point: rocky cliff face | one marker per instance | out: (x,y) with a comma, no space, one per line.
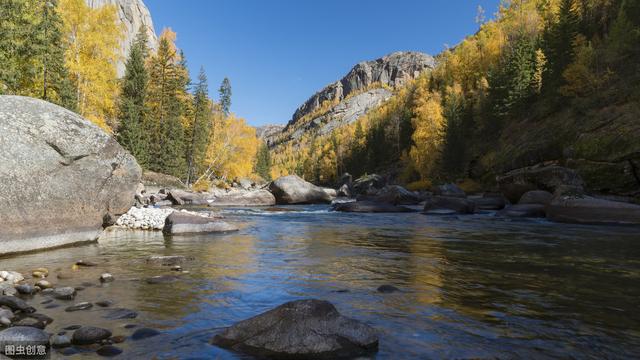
(133,14)
(267,133)
(393,70)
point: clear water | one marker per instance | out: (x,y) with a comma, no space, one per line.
(472,286)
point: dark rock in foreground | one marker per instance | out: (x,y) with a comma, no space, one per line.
(303,329)
(182,223)
(369,207)
(294,190)
(23,335)
(61,176)
(16,304)
(588,210)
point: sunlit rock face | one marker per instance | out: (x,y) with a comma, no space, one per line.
(393,70)
(132,14)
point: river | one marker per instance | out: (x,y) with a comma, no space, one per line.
(470,286)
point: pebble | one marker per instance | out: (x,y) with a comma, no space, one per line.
(79,306)
(144,333)
(89,335)
(26,289)
(5,313)
(104,303)
(117,314)
(86,263)
(387,289)
(176,268)
(10,291)
(144,218)
(64,293)
(73,327)
(52,306)
(109,350)
(47,301)
(118,339)
(64,276)
(31,322)
(130,326)
(161,279)
(5,321)
(106,277)
(11,276)
(16,304)
(60,341)
(44,284)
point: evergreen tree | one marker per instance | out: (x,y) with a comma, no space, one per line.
(132,109)
(198,130)
(263,162)
(18,21)
(559,40)
(166,100)
(225,96)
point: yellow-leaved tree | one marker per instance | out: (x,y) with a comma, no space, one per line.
(232,148)
(429,126)
(92,39)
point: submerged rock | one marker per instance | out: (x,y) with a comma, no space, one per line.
(167,260)
(61,176)
(303,329)
(369,207)
(79,306)
(144,333)
(292,189)
(64,293)
(182,223)
(118,314)
(89,335)
(387,289)
(16,304)
(108,351)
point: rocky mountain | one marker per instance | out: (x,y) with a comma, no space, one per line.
(392,70)
(268,132)
(133,14)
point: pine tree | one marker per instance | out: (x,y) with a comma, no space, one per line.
(225,96)
(559,39)
(18,21)
(263,162)
(132,109)
(167,108)
(198,131)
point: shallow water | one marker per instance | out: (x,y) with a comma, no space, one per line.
(471,287)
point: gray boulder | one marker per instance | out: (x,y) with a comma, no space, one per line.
(292,189)
(244,198)
(449,190)
(23,335)
(459,205)
(589,210)
(490,202)
(369,207)
(540,197)
(183,197)
(87,335)
(344,191)
(397,195)
(182,223)
(540,177)
(369,184)
(61,176)
(303,329)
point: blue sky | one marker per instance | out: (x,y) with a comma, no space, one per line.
(277,53)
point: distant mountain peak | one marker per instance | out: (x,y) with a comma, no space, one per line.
(393,70)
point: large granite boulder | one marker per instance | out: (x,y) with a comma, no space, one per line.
(540,177)
(61,176)
(184,223)
(589,210)
(244,198)
(303,329)
(292,189)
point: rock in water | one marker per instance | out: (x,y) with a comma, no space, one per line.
(182,223)
(517,182)
(16,304)
(459,205)
(292,189)
(588,210)
(303,329)
(369,207)
(88,335)
(244,198)
(61,175)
